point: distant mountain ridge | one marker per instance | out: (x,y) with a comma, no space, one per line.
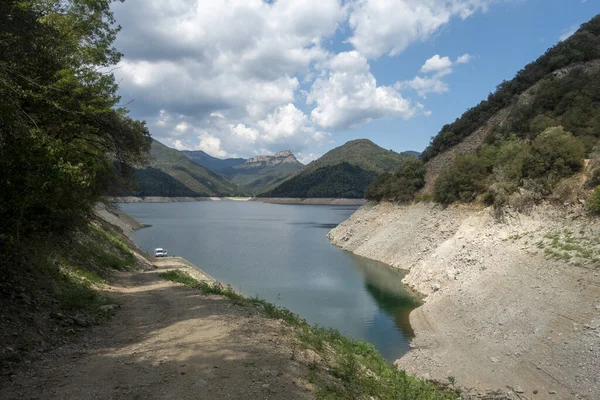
(171,174)
(345,171)
(210,162)
(260,173)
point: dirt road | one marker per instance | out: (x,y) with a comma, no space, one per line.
(168,341)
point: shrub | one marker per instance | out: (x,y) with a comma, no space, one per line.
(555,154)
(462,181)
(402,185)
(593,202)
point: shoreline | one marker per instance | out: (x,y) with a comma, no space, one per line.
(314,201)
(500,311)
(269,200)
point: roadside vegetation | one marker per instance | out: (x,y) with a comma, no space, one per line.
(346,368)
(65,139)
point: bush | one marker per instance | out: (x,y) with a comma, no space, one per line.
(593,202)
(555,154)
(462,181)
(402,185)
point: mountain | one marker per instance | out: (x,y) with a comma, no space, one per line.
(210,162)
(536,138)
(345,171)
(171,174)
(412,153)
(260,173)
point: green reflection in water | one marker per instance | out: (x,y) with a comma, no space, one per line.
(384,284)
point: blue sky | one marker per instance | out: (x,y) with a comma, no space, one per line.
(503,40)
(241,78)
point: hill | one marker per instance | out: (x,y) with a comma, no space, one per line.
(527,142)
(260,173)
(210,162)
(345,171)
(171,174)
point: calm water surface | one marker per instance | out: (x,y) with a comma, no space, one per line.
(280,253)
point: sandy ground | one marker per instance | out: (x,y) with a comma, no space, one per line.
(500,312)
(168,342)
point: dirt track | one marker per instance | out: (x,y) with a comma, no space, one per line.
(168,342)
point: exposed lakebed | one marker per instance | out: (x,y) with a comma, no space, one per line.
(280,253)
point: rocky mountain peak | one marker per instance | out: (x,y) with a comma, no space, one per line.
(281,157)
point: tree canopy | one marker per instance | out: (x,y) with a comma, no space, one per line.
(62,128)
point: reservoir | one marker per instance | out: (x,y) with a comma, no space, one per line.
(280,253)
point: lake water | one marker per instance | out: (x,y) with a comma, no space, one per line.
(281,254)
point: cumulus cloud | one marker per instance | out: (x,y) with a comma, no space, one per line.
(237,77)
(464,59)
(347,95)
(239,59)
(287,127)
(423,86)
(437,67)
(385,26)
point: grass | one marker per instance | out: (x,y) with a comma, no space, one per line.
(84,265)
(349,369)
(565,245)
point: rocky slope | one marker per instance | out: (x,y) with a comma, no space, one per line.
(510,305)
(260,173)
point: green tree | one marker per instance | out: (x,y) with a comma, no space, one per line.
(555,153)
(61,129)
(400,186)
(462,181)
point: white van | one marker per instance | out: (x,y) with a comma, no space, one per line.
(158,252)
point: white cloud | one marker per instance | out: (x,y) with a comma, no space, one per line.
(390,26)
(437,64)
(423,86)
(287,127)
(306,158)
(237,60)
(236,77)
(437,67)
(464,59)
(347,95)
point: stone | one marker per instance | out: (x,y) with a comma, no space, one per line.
(494,359)
(551,391)
(519,389)
(200,383)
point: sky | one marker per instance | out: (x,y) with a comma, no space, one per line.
(239,78)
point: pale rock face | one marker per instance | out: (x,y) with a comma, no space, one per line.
(281,157)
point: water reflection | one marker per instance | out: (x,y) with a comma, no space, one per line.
(385,287)
(281,254)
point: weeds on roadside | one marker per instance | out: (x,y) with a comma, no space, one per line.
(349,369)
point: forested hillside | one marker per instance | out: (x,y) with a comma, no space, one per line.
(345,171)
(169,173)
(581,47)
(210,162)
(546,123)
